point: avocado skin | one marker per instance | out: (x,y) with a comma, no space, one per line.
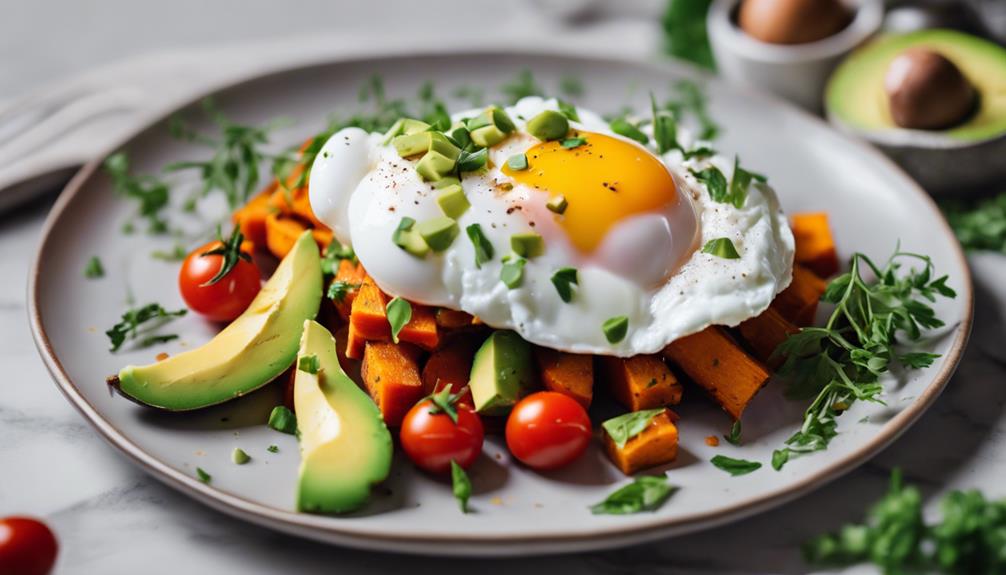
(250,352)
(345,446)
(956,160)
(501,372)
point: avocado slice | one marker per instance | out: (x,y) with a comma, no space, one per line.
(249,353)
(345,446)
(960,156)
(501,372)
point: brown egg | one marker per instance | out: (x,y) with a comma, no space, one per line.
(927,91)
(792,21)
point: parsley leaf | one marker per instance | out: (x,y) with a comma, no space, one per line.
(842,362)
(231,254)
(483,247)
(624,427)
(741,182)
(339,289)
(399,313)
(665,128)
(203,476)
(735,467)
(564,279)
(734,437)
(979,225)
(131,326)
(685,32)
(335,253)
(715,182)
(150,193)
(645,493)
(94,270)
(460,485)
(623,127)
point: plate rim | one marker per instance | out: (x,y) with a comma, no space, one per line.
(343,532)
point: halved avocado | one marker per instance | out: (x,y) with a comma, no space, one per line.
(249,353)
(345,446)
(965,155)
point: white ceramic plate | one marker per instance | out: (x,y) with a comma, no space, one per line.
(872,205)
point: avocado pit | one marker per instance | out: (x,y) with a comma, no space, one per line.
(792,21)
(927,91)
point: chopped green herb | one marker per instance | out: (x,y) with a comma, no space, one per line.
(573,143)
(570,86)
(557,204)
(721,248)
(564,279)
(624,127)
(734,437)
(483,247)
(715,182)
(522,86)
(399,314)
(685,32)
(230,252)
(460,485)
(129,327)
(472,161)
(334,253)
(309,364)
(409,239)
(176,254)
(779,458)
(239,457)
(842,362)
(568,110)
(616,328)
(624,427)
(203,476)
(272,449)
(692,100)
(512,273)
(735,467)
(283,420)
(665,128)
(150,193)
(741,182)
(94,269)
(517,162)
(339,289)
(644,493)
(979,225)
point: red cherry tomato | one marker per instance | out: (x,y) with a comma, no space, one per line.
(224,300)
(547,430)
(433,440)
(27,547)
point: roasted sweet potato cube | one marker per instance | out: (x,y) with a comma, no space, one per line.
(567,373)
(369,317)
(798,302)
(251,219)
(815,246)
(763,334)
(350,365)
(390,373)
(422,328)
(450,366)
(714,361)
(352,275)
(453,319)
(281,233)
(355,343)
(655,445)
(641,382)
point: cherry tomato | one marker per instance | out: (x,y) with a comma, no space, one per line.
(432,440)
(27,547)
(226,299)
(547,430)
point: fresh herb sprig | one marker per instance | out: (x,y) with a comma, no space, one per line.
(842,362)
(644,493)
(969,539)
(685,32)
(980,225)
(150,193)
(138,323)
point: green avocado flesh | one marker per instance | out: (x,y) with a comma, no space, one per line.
(345,447)
(855,95)
(501,371)
(249,353)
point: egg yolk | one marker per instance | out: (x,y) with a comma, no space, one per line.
(604,181)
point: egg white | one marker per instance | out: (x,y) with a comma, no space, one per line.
(362,188)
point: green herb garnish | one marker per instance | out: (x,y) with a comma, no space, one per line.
(512,272)
(94,270)
(979,225)
(735,467)
(460,485)
(334,253)
(570,86)
(203,476)
(568,110)
(150,193)
(573,143)
(483,247)
(522,86)
(624,427)
(685,32)
(230,251)
(309,364)
(624,127)
(399,314)
(339,289)
(272,449)
(721,248)
(283,420)
(734,437)
(616,328)
(842,362)
(665,128)
(645,493)
(564,279)
(741,182)
(129,327)
(715,182)
(239,457)
(472,161)
(177,253)
(692,100)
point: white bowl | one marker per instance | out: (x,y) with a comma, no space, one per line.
(796,72)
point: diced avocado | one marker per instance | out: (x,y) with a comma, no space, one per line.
(502,120)
(405,126)
(446,182)
(407,238)
(434,166)
(557,204)
(439,233)
(345,447)
(488,136)
(452,201)
(548,125)
(527,244)
(501,372)
(411,144)
(490,127)
(249,353)
(439,143)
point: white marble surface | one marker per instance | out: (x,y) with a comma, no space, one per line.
(111,518)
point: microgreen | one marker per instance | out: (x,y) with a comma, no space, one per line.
(623,127)
(626,426)
(132,326)
(272,449)
(149,192)
(735,467)
(665,128)
(517,162)
(461,486)
(94,270)
(979,225)
(644,493)
(335,252)
(741,182)
(339,289)
(230,252)
(842,362)
(399,313)
(564,279)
